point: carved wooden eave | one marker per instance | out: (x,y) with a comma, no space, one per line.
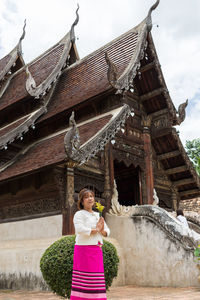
(186,159)
(176,116)
(182,174)
(163,90)
(19,127)
(68,42)
(94,134)
(82,153)
(124,81)
(9,62)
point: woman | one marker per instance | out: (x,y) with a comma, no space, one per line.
(88,280)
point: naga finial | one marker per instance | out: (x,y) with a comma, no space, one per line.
(149,21)
(181,113)
(23,34)
(72,138)
(72,35)
(112,71)
(22,37)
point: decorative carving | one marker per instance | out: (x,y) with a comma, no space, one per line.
(107,188)
(162,122)
(30,209)
(186,158)
(149,21)
(69,186)
(5,73)
(155,198)
(72,35)
(45,86)
(83,179)
(146,121)
(112,71)
(167,223)
(19,49)
(72,138)
(88,150)
(125,80)
(170,105)
(118,209)
(22,128)
(181,113)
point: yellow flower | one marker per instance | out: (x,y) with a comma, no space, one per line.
(99,207)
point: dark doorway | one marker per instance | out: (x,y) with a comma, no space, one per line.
(127,181)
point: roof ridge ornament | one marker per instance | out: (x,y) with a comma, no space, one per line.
(72,35)
(72,138)
(112,71)
(19,47)
(180,117)
(149,20)
(82,153)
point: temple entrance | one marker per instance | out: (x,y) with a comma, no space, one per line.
(127,181)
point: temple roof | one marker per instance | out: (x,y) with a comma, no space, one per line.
(12,62)
(57,82)
(94,133)
(37,79)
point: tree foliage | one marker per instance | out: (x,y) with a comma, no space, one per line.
(193,151)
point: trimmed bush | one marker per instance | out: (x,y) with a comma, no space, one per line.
(56,265)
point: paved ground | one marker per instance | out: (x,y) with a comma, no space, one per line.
(122,293)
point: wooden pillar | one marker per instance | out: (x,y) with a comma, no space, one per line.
(107,186)
(175,202)
(146,121)
(69,205)
(140,185)
(111,167)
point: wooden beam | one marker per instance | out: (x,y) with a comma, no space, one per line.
(189,192)
(147,67)
(159,112)
(168,155)
(156,133)
(152,94)
(176,170)
(183,181)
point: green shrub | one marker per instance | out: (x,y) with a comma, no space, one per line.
(56,265)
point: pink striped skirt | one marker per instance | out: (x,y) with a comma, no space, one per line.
(88,280)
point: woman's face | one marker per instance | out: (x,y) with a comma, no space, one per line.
(88,201)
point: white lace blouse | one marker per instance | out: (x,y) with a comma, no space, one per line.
(84,222)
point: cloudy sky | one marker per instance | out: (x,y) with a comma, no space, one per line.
(176,34)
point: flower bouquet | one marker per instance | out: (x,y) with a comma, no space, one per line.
(99,207)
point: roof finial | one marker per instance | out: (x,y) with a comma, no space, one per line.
(23,34)
(149,21)
(22,37)
(72,138)
(112,71)
(180,117)
(72,35)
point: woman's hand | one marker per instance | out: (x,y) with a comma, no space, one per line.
(100,224)
(99,227)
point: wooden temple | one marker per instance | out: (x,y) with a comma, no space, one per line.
(68,123)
